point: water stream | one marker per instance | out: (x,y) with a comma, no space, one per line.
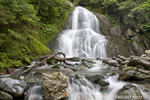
(84,40)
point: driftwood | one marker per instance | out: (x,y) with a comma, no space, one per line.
(45,58)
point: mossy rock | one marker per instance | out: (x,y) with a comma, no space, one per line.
(36,47)
(15,64)
(27,60)
(2,65)
(51,62)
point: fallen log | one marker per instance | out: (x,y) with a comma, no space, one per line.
(45,59)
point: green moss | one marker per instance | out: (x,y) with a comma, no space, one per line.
(24,38)
(2,66)
(17,64)
(36,47)
(27,60)
(51,62)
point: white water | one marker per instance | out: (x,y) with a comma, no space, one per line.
(84,39)
(34,93)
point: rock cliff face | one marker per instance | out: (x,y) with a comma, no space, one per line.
(121,41)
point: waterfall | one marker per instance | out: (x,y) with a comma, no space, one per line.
(84,38)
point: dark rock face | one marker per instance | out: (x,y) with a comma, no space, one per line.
(129,92)
(121,41)
(14,86)
(115,31)
(5,96)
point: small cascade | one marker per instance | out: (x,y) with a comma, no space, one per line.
(84,90)
(84,39)
(34,93)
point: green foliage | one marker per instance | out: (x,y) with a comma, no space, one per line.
(27,60)
(2,66)
(36,47)
(26,26)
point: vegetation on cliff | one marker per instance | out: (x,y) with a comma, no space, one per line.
(135,13)
(25,28)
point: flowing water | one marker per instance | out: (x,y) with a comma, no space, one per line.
(34,93)
(84,40)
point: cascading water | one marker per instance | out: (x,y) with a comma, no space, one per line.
(84,39)
(34,93)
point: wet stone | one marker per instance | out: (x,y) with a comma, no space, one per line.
(14,86)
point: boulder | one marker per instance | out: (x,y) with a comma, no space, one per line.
(12,85)
(129,92)
(122,58)
(139,61)
(5,96)
(147,52)
(95,78)
(55,86)
(87,64)
(133,74)
(111,62)
(103,83)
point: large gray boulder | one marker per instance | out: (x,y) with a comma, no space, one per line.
(12,85)
(139,61)
(5,96)
(130,73)
(55,86)
(129,92)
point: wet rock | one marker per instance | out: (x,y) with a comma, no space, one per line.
(122,58)
(55,86)
(139,61)
(133,74)
(5,96)
(129,92)
(111,62)
(78,68)
(128,75)
(87,64)
(95,78)
(147,52)
(12,85)
(103,83)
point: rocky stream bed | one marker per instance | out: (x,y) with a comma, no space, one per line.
(117,78)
